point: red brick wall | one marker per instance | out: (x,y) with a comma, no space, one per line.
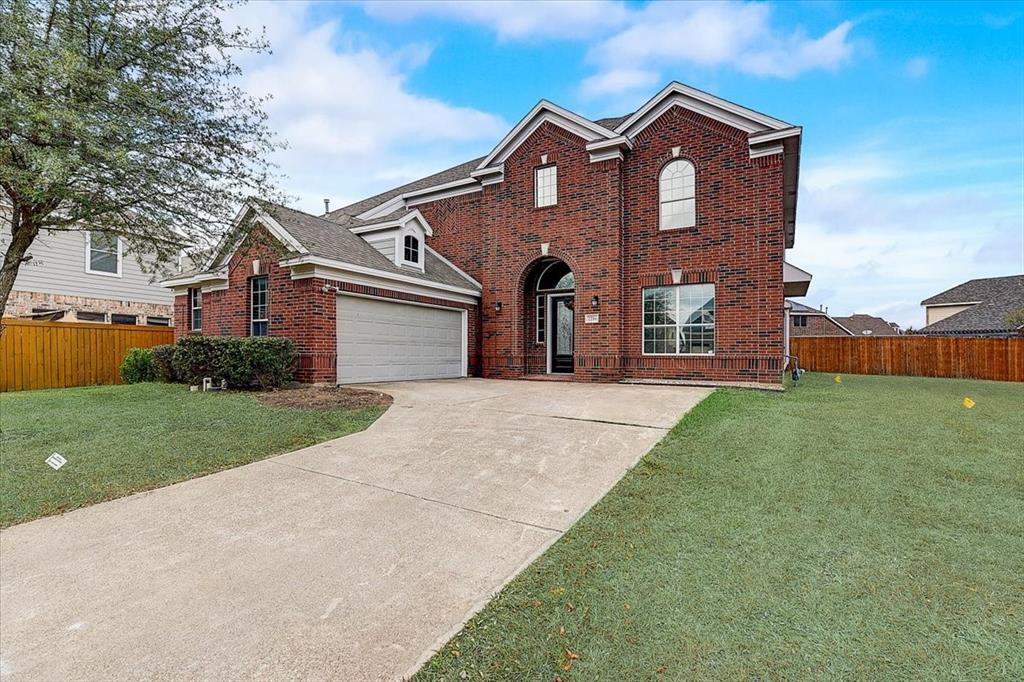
(605,227)
(299,309)
(817,325)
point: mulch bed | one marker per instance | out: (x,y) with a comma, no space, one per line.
(324,398)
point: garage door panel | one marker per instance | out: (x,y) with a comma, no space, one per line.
(387,341)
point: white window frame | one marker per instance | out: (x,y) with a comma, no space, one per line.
(195,295)
(88,257)
(540,334)
(553,199)
(419,250)
(266,305)
(677,354)
(662,201)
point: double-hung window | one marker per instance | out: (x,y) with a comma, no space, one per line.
(259,309)
(195,307)
(102,254)
(679,320)
(546,186)
(411,249)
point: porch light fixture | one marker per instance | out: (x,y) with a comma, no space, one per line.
(497,307)
(595,301)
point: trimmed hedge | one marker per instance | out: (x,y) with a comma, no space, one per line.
(163,363)
(137,366)
(244,362)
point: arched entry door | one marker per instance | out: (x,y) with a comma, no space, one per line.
(556,297)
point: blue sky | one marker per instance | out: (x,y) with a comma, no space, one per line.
(912,178)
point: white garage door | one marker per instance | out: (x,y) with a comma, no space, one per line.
(385,341)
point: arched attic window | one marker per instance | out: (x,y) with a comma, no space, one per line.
(677,193)
(411,251)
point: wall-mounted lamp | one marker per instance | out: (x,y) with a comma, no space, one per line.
(595,301)
(497,307)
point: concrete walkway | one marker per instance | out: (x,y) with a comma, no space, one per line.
(349,560)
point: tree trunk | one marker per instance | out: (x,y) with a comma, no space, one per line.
(24,228)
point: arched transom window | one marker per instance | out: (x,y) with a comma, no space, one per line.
(677,189)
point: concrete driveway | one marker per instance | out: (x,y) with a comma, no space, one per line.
(349,560)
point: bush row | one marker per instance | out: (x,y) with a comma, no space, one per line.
(244,362)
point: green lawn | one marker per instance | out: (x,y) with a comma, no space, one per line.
(866,530)
(122,439)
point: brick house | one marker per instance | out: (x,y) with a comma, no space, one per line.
(644,247)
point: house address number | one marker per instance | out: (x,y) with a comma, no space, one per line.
(592,318)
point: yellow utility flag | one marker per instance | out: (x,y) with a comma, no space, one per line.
(968,403)
(839,379)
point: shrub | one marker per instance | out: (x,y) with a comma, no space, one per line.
(269,360)
(137,366)
(163,363)
(261,361)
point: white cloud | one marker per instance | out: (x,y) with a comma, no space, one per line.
(733,35)
(875,246)
(512,20)
(347,111)
(618,81)
(917,67)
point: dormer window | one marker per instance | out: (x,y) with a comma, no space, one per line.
(411,253)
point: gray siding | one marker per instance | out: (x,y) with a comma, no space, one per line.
(58,267)
(386,247)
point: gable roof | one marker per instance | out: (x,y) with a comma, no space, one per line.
(866,325)
(801,309)
(327,239)
(606,138)
(987,317)
(977,290)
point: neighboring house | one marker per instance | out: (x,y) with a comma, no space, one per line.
(643,247)
(807,321)
(978,307)
(860,324)
(80,276)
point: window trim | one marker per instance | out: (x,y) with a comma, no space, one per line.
(662,202)
(88,257)
(419,250)
(798,319)
(540,331)
(195,294)
(536,185)
(266,305)
(714,326)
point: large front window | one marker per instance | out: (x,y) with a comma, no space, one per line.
(260,305)
(679,320)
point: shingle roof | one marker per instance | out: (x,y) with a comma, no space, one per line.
(986,317)
(866,325)
(612,122)
(328,239)
(976,290)
(458,172)
(801,309)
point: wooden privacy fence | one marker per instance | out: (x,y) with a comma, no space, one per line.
(61,354)
(919,356)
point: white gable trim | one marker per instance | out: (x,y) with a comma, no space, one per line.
(397,222)
(268,222)
(381,274)
(677,94)
(544,112)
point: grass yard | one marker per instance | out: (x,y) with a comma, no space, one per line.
(866,530)
(122,439)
